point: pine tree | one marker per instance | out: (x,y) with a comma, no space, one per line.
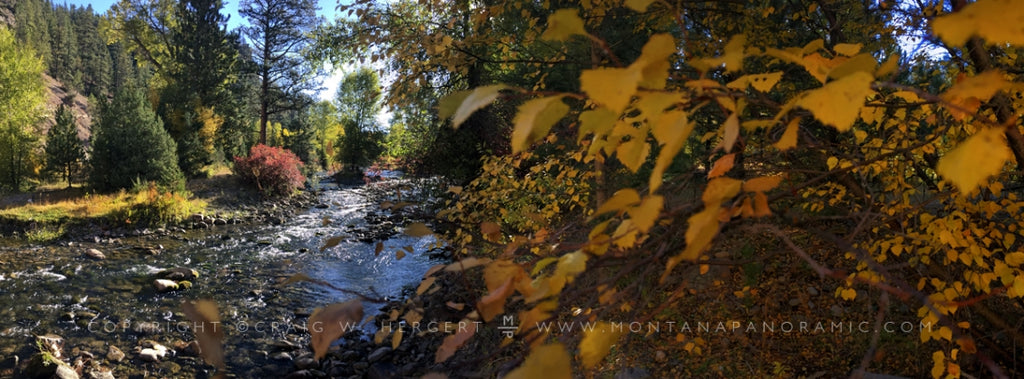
(64,151)
(132,145)
(96,68)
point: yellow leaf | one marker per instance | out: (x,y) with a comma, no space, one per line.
(569,265)
(466,264)
(645,214)
(597,342)
(981,156)
(671,130)
(996,21)
(206,325)
(939,368)
(611,87)
(563,24)
(653,62)
(455,189)
(838,103)
(788,140)
(702,228)
(761,205)
(832,162)
(732,56)
(760,82)
(762,184)
(331,322)
(633,153)
(396,339)
(847,49)
(619,201)
(597,121)
(1015,258)
(425,285)
(417,229)
(546,361)
(722,165)
(848,294)
(480,97)
(861,63)
(889,66)
(719,189)
(494,303)
(638,5)
(449,104)
(535,119)
(969,92)
(732,132)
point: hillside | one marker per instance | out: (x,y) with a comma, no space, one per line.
(56,92)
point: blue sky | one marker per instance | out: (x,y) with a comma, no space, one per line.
(327,10)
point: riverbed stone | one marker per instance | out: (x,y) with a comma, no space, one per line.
(376,355)
(95,254)
(53,343)
(114,354)
(165,285)
(178,273)
(42,365)
(151,355)
(100,373)
(65,372)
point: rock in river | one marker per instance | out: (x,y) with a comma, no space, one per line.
(114,354)
(164,285)
(95,254)
(178,273)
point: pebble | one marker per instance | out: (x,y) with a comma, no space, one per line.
(65,372)
(164,285)
(114,354)
(660,356)
(813,291)
(282,356)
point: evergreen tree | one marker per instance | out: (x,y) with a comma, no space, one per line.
(33,25)
(279,32)
(132,145)
(96,65)
(64,151)
(66,63)
(21,109)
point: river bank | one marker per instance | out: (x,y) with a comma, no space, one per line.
(99,307)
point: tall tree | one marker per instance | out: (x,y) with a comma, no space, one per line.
(66,63)
(64,151)
(204,64)
(359,102)
(21,109)
(96,69)
(279,32)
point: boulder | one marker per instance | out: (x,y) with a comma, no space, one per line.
(164,285)
(178,273)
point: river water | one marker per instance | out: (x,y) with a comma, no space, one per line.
(93,304)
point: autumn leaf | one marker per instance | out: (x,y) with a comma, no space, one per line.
(611,87)
(638,5)
(480,97)
(417,229)
(732,132)
(493,303)
(569,265)
(646,214)
(209,333)
(534,120)
(722,166)
(597,121)
(847,49)
(633,153)
(760,82)
(547,361)
(969,92)
(425,285)
(671,130)
(331,242)
(838,103)
(466,264)
(974,160)
(653,62)
(997,21)
(329,323)
(762,184)
(563,24)
(619,201)
(597,342)
(788,140)
(452,343)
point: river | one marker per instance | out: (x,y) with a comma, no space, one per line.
(94,304)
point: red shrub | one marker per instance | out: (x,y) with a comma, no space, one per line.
(275,171)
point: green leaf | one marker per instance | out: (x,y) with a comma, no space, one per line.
(535,119)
